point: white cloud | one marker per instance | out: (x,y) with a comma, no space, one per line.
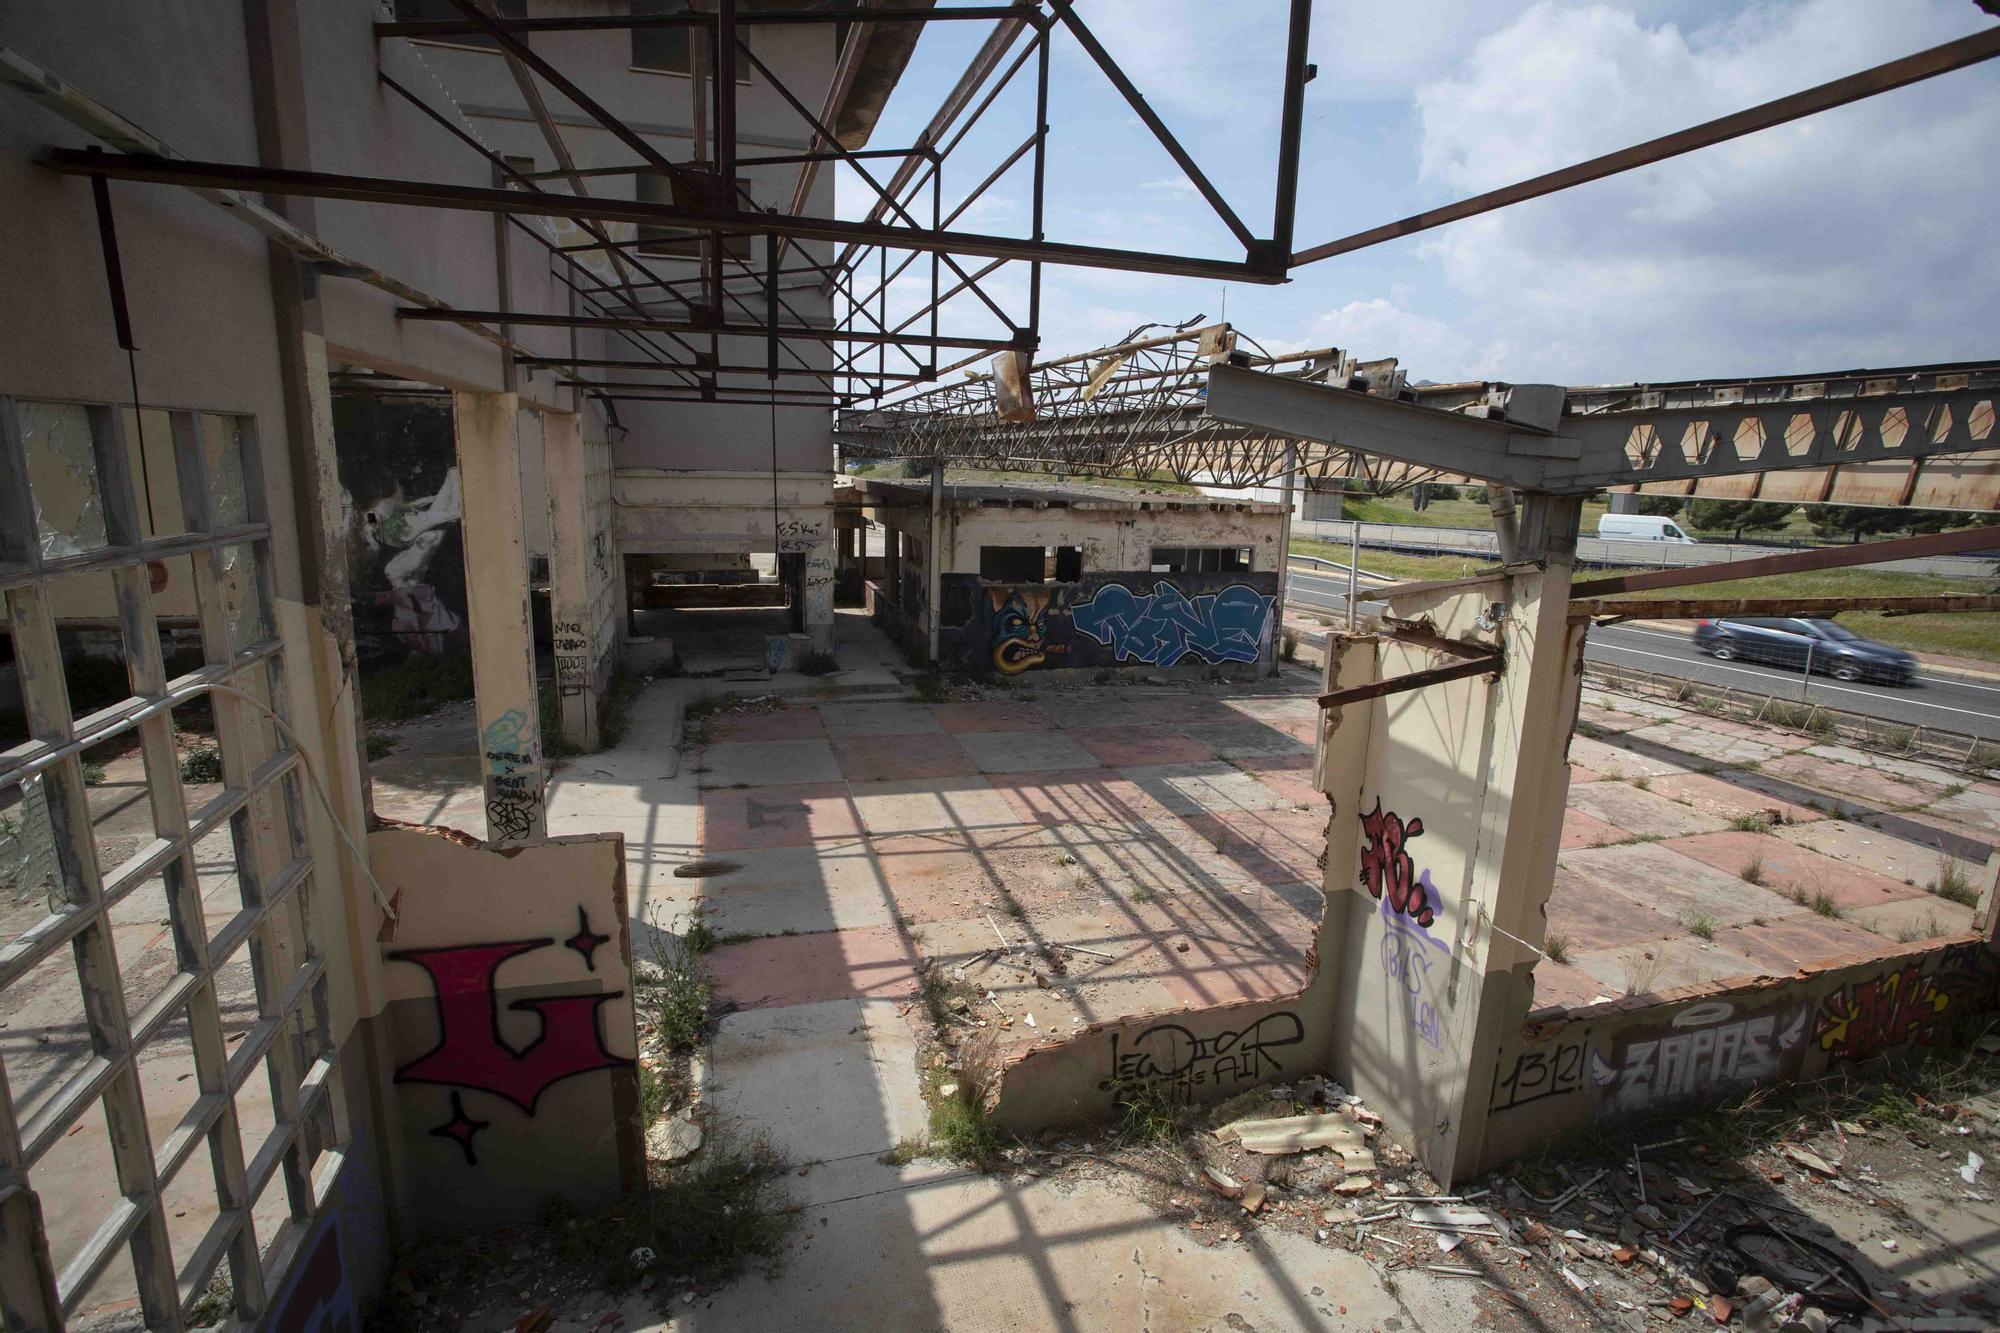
(1428,348)
(1855,237)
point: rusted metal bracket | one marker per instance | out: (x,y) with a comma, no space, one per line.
(1487,663)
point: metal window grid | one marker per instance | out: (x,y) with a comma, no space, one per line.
(260,804)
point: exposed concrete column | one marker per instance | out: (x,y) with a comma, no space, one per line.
(572,600)
(934,564)
(487,430)
(892,563)
(1526,795)
(1284,559)
(817,579)
(1446,829)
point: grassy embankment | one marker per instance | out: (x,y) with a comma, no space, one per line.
(1974,635)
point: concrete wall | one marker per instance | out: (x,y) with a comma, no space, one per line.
(1138,620)
(511,1026)
(1114,537)
(1563,1072)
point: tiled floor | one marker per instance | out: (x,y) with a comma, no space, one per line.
(1100,817)
(1697,849)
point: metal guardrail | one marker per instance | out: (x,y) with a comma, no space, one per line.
(1478,543)
(1968,754)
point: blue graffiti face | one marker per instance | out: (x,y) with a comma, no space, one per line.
(1164,626)
(1020,628)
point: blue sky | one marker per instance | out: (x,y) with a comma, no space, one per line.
(1860,237)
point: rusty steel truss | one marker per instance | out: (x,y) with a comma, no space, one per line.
(673,321)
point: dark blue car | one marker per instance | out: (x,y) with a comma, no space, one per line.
(1818,645)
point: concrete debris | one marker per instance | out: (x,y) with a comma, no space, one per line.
(673,1138)
(1252,1198)
(1969,1173)
(1299,1133)
(1355,1185)
(1221,1183)
(1810,1160)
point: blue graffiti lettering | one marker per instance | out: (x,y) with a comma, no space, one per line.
(1166,625)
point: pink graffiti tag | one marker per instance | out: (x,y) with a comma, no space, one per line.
(470,1053)
(1387,868)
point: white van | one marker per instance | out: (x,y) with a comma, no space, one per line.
(1641,528)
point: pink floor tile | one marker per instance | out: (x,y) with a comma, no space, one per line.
(1716,795)
(1589,916)
(1791,870)
(1792,942)
(965,717)
(796,723)
(1587,830)
(1560,987)
(795,816)
(1850,781)
(1273,846)
(874,962)
(1098,798)
(1130,746)
(880,758)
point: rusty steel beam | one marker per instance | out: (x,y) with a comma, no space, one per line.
(810,334)
(430,194)
(1488,665)
(1695,608)
(1798,562)
(1880,79)
(434,28)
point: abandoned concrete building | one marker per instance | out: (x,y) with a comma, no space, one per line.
(351,338)
(1004,577)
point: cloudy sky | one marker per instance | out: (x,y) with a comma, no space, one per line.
(1860,237)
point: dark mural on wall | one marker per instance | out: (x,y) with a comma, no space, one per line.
(399,485)
(1107,620)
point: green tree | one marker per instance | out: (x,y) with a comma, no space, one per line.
(1738,515)
(1854,522)
(1661,506)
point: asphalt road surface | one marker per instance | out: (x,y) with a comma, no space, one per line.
(1940,699)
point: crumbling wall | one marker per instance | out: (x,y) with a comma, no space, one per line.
(1563,1072)
(510,1023)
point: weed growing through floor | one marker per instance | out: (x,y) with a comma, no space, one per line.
(1952,884)
(1823,904)
(929,688)
(1147,1115)
(381,747)
(815,662)
(93,774)
(698,720)
(1642,782)
(672,994)
(959,1129)
(1557,946)
(1143,893)
(1700,925)
(1751,824)
(1752,871)
(1642,967)
(724,1211)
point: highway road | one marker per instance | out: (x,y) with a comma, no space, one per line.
(1940,699)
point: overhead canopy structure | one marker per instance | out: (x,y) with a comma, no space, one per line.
(674,319)
(1197,405)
